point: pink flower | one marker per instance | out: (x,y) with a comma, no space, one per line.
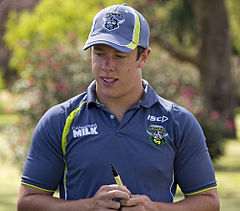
(215,115)
(151,1)
(71,36)
(32,81)
(229,124)
(8,110)
(45,53)
(187,92)
(59,86)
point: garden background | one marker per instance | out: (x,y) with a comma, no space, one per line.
(194,62)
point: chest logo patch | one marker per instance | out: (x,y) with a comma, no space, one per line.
(90,129)
(157,134)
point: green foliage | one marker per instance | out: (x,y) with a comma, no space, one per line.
(173,18)
(215,129)
(175,82)
(236,77)
(52,22)
(179,21)
(233,7)
(2,83)
(51,76)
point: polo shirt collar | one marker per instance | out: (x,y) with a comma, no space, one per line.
(149,96)
(91,93)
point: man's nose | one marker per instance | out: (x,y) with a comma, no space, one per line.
(109,63)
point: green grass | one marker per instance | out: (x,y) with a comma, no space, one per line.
(7,104)
(9,184)
(227,170)
(8,119)
(228,177)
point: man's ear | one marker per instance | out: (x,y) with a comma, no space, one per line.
(144,57)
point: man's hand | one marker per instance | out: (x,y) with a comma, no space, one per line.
(104,199)
(137,202)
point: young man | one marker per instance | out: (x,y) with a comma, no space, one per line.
(120,120)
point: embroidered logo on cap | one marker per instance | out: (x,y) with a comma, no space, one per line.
(157,134)
(112,20)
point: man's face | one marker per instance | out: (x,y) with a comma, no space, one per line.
(117,74)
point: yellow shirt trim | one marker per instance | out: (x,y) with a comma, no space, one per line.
(33,186)
(190,194)
(68,123)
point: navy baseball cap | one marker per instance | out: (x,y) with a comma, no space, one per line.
(120,27)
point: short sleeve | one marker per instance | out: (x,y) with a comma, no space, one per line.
(194,170)
(44,166)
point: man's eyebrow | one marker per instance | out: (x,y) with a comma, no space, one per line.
(97,48)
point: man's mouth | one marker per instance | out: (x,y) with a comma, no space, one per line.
(108,81)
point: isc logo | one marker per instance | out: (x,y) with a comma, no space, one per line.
(157,119)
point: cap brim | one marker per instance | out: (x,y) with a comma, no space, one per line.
(116,42)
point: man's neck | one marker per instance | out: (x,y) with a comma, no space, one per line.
(118,106)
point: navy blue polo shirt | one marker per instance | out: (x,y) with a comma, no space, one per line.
(156,146)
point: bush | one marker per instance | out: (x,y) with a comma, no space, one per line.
(180,83)
(215,129)
(51,76)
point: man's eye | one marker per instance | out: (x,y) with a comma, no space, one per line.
(98,53)
(120,56)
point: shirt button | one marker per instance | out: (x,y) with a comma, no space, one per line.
(112,116)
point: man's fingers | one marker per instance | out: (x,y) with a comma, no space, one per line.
(115,191)
(115,194)
(135,200)
(106,195)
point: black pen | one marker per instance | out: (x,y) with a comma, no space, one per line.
(116,176)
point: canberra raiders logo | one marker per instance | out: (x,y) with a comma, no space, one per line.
(112,20)
(157,134)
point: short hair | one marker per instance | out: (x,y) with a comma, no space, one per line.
(140,51)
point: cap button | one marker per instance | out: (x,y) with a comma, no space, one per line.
(124,4)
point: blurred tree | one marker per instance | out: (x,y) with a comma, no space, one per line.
(234,17)
(214,57)
(198,33)
(8,73)
(45,46)
(51,23)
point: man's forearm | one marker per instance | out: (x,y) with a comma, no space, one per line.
(49,203)
(34,199)
(207,201)
(194,203)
